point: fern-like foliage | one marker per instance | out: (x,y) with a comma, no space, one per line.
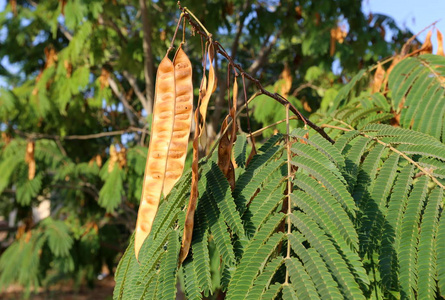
(366,213)
(26,254)
(418,94)
(364,223)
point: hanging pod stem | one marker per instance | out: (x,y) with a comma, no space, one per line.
(200,29)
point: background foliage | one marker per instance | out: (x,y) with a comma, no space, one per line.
(80,93)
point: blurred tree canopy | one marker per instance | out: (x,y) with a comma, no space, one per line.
(77,83)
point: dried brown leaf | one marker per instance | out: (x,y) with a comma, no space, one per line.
(210,88)
(63,3)
(51,57)
(440,43)
(103,78)
(227,140)
(287,77)
(6,138)
(122,157)
(306,106)
(427,46)
(298,11)
(379,76)
(14,7)
(190,213)
(338,34)
(68,67)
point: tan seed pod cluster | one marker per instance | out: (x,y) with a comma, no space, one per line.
(168,141)
(113,158)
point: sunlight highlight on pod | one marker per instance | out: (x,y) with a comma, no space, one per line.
(168,141)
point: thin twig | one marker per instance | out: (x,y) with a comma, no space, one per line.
(259,131)
(147,31)
(306,85)
(132,81)
(62,150)
(128,109)
(404,50)
(36,135)
(172,44)
(424,170)
(344,123)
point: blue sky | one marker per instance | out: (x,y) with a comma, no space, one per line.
(412,14)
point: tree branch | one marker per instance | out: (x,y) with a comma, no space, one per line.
(36,135)
(65,32)
(113,26)
(148,57)
(129,111)
(264,53)
(132,81)
(306,85)
(240,25)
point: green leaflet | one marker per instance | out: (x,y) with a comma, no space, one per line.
(426,262)
(248,183)
(167,274)
(367,174)
(197,270)
(415,82)
(253,258)
(332,183)
(345,92)
(300,280)
(221,193)
(407,251)
(336,264)
(313,264)
(330,206)
(392,228)
(375,207)
(440,250)
(262,206)
(322,145)
(110,196)
(314,212)
(123,269)
(262,282)
(240,149)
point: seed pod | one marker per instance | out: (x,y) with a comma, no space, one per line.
(161,132)
(177,151)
